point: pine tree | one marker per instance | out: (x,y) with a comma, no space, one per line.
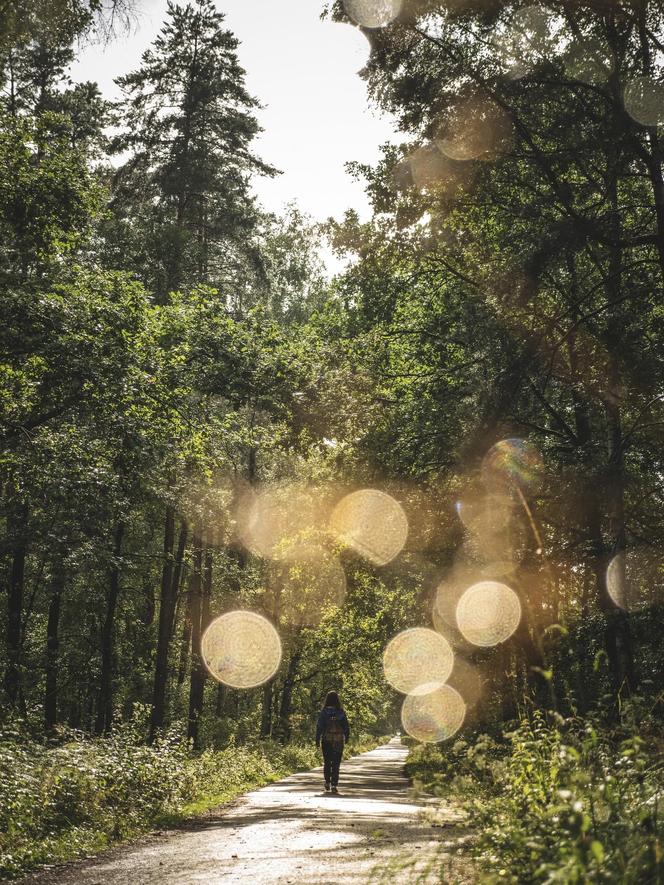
(188,124)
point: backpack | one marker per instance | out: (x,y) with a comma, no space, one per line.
(333,733)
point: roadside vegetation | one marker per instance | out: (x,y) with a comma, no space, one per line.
(74,795)
(553,799)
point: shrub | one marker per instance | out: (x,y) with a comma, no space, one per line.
(564,802)
(67,800)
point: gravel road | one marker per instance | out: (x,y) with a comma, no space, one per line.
(374,831)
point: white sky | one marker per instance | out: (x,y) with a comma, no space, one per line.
(316,115)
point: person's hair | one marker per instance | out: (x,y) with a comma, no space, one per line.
(332,700)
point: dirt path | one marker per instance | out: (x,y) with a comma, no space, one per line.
(291,831)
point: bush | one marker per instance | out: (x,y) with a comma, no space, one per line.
(63,801)
(565,802)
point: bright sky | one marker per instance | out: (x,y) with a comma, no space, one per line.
(316,116)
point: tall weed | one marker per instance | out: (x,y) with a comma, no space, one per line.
(563,802)
(80,795)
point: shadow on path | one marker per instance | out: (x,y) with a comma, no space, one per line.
(292,832)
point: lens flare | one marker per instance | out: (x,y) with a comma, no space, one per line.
(488,613)
(512,463)
(241,649)
(432,170)
(372,13)
(588,62)
(417,661)
(476,128)
(448,593)
(304,587)
(636,577)
(272,520)
(466,679)
(372,523)
(644,101)
(616,581)
(495,548)
(433,717)
(495,510)
(354,45)
(526,42)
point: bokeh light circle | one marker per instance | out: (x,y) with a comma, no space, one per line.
(431,170)
(644,101)
(241,649)
(417,661)
(354,44)
(495,545)
(372,523)
(616,581)
(512,463)
(372,13)
(476,128)
(488,613)
(306,585)
(270,521)
(635,578)
(449,591)
(433,717)
(526,42)
(497,509)
(589,62)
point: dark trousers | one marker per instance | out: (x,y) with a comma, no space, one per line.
(332,754)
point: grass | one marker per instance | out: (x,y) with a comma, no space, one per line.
(569,801)
(78,796)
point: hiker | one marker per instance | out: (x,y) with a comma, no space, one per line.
(332,731)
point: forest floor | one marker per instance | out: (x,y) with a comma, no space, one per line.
(374,831)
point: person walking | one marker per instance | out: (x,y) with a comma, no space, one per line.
(332,731)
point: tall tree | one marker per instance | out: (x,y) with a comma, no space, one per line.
(188,124)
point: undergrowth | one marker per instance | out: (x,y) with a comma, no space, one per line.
(76,796)
(558,801)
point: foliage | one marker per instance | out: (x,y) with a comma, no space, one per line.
(564,801)
(170,352)
(74,796)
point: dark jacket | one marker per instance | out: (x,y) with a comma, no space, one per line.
(325,715)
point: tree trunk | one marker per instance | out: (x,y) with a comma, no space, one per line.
(618,638)
(105,704)
(197,679)
(654,160)
(179,574)
(185,642)
(220,706)
(164,630)
(13,680)
(618,641)
(53,647)
(266,714)
(284,726)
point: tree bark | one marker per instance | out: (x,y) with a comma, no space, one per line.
(220,706)
(618,637)
(197,679)
(266,713)
(185,642)
(105,703)
(618,641)
(284,726)
(178,573)
(13,677)
(164,630)
(53,647)
(654,157)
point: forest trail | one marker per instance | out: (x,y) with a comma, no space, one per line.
(374,831)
